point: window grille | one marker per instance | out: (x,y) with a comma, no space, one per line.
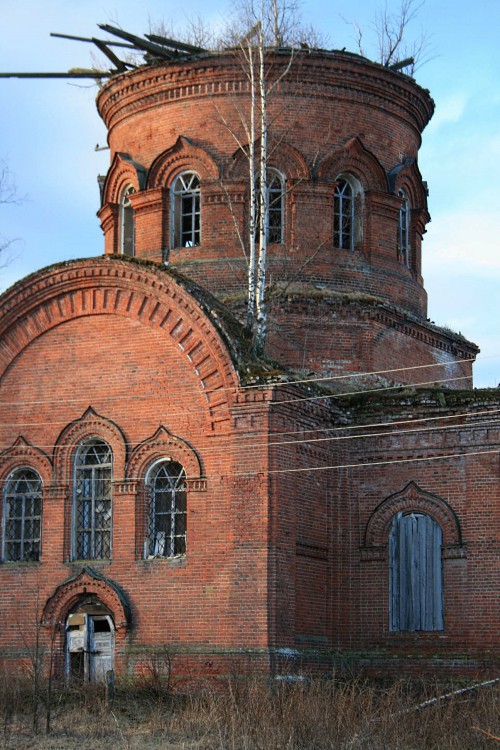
(93,501)
(343,215)
(167,511)
(415,574)
(22,517)
(186,210)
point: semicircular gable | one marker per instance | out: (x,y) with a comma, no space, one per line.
(122,173)
(281,155)
(87,582)
(406,176)
(354,158)
(88,426)
(161,445)
(183,155)
(412,499)
(22,454)
(148,294)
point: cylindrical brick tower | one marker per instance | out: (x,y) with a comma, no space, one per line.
(348,207)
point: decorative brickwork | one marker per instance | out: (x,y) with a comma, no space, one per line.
(241,509)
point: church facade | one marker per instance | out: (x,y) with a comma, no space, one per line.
(333,504)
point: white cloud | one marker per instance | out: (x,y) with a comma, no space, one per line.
(449,110)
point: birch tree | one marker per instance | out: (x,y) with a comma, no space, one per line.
(271,24)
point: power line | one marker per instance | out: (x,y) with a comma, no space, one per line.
(242,447)
(285,383)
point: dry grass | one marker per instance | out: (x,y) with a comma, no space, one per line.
(250,715)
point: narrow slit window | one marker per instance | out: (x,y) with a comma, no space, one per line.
(403,239)
(127,223)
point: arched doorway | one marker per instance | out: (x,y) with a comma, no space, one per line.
(90,641)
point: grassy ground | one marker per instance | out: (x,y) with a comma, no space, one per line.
(250,715)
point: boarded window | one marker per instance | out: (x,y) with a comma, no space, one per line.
(415,574)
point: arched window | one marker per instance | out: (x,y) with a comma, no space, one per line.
(415,574)
(275,199)
(93,503)
(166,531)
(22,517)
(186,210)
(127,223)
(276,204)
(346,214)
(403,239)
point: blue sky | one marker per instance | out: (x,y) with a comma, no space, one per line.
(49,130)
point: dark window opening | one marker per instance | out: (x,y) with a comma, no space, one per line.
(167,511)
(22,528)
(93,501)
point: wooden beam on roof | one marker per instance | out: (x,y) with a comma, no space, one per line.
(174,44)
(109,42)
(138,42)
(119,64)
(95,74)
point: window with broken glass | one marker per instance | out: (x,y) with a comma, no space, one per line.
(22,517)
(127,223)
(166,533)
(93,504)
(403,238)
(186,210)
(415,574)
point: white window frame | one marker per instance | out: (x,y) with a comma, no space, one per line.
(403,239)
(347,210)
(127,223)
(185,211)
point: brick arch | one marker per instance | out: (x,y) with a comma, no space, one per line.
(122,172)
(183,155)
(406,176)
(87,582)
(412,499)
(282,156)
(161,445)
(90,425)
(22,454)
(145,292)
(354,158)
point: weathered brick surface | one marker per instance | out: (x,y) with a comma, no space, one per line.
(330,114)
(291,489)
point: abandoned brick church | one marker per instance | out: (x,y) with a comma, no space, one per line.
(332,505)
